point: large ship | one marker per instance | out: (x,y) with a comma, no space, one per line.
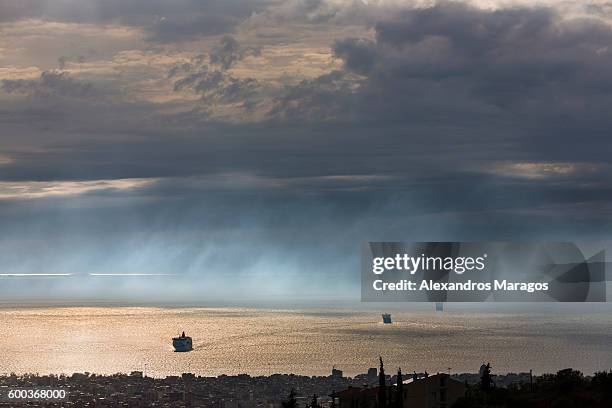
(182,343)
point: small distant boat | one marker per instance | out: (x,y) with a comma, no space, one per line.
(439,307)
(386,318)
(182,343)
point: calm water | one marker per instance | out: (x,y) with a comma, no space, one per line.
(109,340)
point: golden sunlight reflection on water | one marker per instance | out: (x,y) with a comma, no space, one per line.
(122,339)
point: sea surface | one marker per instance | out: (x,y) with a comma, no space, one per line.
(107,340)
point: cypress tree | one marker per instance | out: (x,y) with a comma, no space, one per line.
(382,386)
(399,390)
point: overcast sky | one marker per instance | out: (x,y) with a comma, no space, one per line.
(248,147)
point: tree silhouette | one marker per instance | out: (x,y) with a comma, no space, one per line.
(567,388)
(399,390)
(291,402)
(382,386)
(485,378)
(333,401)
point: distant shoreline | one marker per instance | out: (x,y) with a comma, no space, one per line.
(354,306)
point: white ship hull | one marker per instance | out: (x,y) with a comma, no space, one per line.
(182,344)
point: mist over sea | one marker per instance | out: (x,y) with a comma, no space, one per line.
(263,341)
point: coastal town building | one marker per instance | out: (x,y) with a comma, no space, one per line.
(426,391)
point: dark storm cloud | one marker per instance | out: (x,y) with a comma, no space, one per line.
(524,70)
(441,93)
(229,51)
(214,85)
(499,57)
(163,20)
(50,85)
(452,122)
(323,98)
(208,76)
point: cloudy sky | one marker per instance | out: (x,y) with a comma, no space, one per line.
(246,148)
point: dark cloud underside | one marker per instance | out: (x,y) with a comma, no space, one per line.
(442,122)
